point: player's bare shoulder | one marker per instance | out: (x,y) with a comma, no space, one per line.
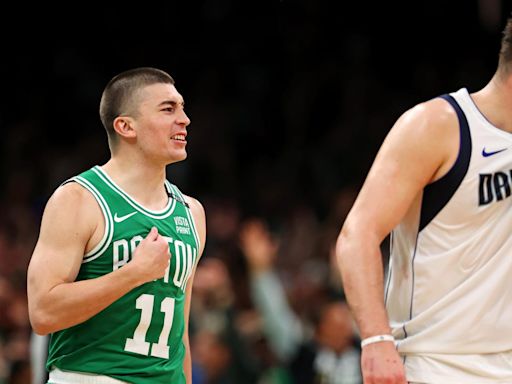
(440,113)
(75,199)
(195,205)
(434,118)
(433,126)
(73,207)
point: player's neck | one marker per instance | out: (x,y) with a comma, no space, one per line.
(495,102)
(142,181)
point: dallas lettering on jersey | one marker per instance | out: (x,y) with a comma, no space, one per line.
(493,186)
(183,254)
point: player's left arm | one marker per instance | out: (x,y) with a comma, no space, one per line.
(198,213)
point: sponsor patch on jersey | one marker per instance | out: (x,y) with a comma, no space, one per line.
(182,225)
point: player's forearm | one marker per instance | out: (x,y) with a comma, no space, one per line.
(360,262)
(69,304)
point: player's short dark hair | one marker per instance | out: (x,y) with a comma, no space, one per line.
(121,91)
(505,59)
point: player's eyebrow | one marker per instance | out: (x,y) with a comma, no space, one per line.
(172,103)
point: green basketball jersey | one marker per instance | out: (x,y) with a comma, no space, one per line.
(138,338)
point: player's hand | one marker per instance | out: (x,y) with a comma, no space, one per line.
(381,364)
(151,257)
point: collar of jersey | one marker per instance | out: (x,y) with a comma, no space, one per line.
(158,214)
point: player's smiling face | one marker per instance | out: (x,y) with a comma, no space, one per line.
(162,123)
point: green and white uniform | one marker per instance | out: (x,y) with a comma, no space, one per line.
(138,338)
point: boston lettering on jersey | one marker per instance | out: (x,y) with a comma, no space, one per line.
(494,187)
(182,256)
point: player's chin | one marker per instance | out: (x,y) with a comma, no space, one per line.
(179,156)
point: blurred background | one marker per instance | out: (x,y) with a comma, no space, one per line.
(289,102)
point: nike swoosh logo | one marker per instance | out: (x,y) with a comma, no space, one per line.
(487,154)
(119,219)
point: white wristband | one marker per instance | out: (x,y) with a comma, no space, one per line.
(376,339)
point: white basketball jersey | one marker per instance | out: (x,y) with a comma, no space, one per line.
(449,285)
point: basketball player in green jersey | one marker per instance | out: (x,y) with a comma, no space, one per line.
(111,275)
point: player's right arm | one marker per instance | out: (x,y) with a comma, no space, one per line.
(55,300)
(420,148)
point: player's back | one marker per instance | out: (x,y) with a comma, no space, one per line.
(448,294)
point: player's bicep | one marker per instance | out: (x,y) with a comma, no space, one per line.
(65,230)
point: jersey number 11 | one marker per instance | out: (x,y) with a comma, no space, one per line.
(138,343)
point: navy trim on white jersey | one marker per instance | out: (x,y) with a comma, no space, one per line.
(439,193)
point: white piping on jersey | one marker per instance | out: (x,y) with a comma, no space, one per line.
(189,215)
(159,215)
(109,224)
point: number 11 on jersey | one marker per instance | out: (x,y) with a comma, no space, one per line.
(138,343)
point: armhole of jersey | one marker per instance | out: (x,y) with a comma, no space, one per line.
(172,187)
(98,250)
(439,193)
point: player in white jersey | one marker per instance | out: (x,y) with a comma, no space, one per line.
(441,183)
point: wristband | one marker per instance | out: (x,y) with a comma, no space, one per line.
(376,339)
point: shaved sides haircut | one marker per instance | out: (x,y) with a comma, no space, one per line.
(120,95)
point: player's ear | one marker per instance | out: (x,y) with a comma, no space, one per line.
(123,125)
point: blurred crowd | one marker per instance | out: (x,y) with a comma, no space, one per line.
(287,115)
(267,301)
